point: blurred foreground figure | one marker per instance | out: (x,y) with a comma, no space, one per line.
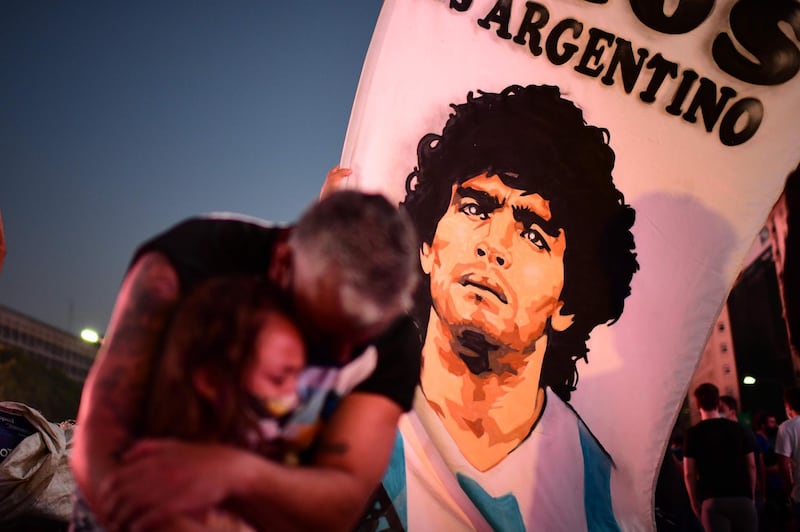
(229,374)
(229,370)
(347,271)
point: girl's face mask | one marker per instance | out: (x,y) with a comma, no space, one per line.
(275,407)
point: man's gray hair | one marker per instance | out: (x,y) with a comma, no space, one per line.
(369,242)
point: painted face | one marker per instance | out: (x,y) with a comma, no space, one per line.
(496,263)
(278,360)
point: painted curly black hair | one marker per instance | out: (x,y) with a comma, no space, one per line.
(537,141)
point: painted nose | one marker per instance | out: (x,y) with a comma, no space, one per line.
(494,245)
(493,257)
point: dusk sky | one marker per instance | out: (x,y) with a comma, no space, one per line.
(119,119)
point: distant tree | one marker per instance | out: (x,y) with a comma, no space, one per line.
(24,379)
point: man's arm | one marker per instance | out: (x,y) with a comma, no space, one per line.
(352,458)
(784,448)
(162,478)
(787,473)
(751,473)
(115,387)
(690,478)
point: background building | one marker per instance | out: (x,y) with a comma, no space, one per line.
(753,352)
(717,365)
(53,347)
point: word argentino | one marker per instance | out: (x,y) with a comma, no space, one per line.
(754,26)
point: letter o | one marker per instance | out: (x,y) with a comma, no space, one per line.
(752,109)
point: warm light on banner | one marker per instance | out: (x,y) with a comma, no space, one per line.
(545,150)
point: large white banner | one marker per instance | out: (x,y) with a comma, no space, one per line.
(586,177)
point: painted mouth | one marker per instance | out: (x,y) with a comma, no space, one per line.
(486,285)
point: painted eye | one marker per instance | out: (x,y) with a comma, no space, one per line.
(536,238)
(473,209)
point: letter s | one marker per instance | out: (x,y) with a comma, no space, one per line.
(755,26)
(687,16)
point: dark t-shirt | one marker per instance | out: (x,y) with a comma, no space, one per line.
(199,248)
(719,447)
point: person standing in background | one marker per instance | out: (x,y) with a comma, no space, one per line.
(775,509)
(729,409)
(787,447)
(719,468)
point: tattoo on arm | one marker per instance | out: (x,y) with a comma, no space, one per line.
(145,303)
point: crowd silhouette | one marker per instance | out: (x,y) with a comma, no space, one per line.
(772,498)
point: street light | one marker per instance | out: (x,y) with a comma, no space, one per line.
(90,335)
(749,380)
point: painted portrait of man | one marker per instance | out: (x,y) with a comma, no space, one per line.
(525,248)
